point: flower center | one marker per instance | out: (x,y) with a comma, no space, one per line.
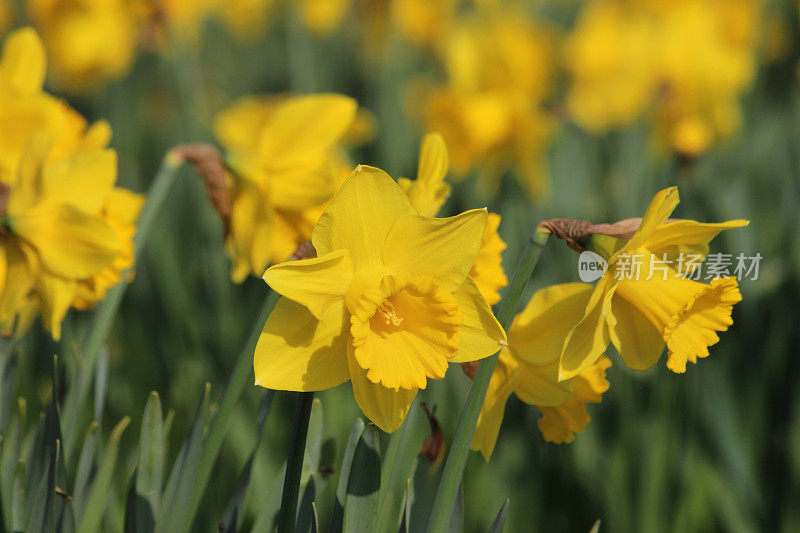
(389,314)
(404,329)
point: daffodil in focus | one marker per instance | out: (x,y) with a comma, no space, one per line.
(528,367)
(490,112)
(51,166)
(88,41)
(387,304)
(428,193)
(286,164)
(644,302)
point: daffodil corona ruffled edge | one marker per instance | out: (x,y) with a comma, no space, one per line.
(387,304)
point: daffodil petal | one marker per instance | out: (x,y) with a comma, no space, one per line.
(637,340)
(303,187)
(686,237)
(297,352)
(56,295)
(386,407)
(480,334)
(318,283)
(305,128)
(69,242)
(83,180)
(588,339)
(659,210)
(432,165)
(360,217)
(23,64)
(444,248)
(538,332)
(538,384)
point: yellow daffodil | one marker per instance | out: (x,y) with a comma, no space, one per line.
(687,60)
(387,304)
(54,232)
(641,309)
(286,165)
(499,69)
(528,367)
(429,192)
(26,110)
(73,164)
(88,41)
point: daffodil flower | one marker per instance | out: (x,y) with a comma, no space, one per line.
(89,41)
(69,160)
(640,314)
(387,304)
(528,367)
(285,168)
(55,233)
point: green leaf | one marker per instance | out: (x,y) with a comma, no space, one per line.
(174,510)
(310,479)
(41,503)
(595,527)
(237,501)
(337,514)
(500,520)
(241,377)
(265,521)
(86,464)
(363,485)
(9,462)
(92,516)
(456,524)
(19,499)
(398,465)
(150,468)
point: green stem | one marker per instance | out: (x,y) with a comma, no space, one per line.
(294,464)
(103,316)
(459,449)
(242,376)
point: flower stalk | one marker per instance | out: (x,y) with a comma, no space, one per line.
(459,449)
(294,463)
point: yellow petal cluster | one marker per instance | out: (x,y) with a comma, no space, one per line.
(67,231)
(387,304)
(641,312)
(285,165)
(88,41)
(528,367)
(500,68)
(687,60)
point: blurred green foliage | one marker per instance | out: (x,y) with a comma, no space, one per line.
(715,449)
